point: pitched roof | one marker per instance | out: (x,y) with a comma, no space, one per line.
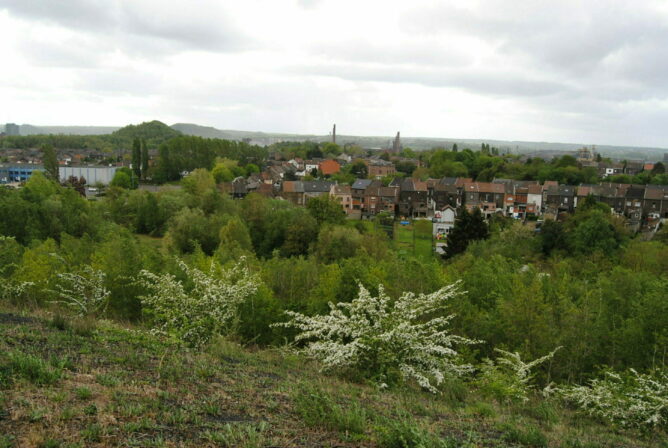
(293,186)
(340,189)
(329,167)
(317,186)
(656,192)
(535,189)
(489,187)
(361,184)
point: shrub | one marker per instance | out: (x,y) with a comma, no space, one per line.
(386,340)
(507,378)
(630,399)
(84,292)
(209,308)
(15,292)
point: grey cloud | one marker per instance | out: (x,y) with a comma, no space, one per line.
(72,53)
(406,52)
(119,82)
(485,81)
(565,35)
(205,27)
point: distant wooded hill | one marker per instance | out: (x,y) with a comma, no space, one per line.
(267,138)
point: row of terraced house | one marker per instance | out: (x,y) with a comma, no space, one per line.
(414,198)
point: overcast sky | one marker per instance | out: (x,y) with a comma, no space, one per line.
(567,71)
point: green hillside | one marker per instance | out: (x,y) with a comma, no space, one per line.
(154,132)
(85,383)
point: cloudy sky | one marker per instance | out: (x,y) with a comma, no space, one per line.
(567,71)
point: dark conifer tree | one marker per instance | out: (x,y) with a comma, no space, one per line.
(136,157)
(468,227)
(144,158)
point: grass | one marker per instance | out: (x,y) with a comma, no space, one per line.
(415,238)
(121,387)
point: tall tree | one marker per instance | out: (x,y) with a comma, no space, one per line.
(468,227)
(50,162)
(136,157)
(144,158)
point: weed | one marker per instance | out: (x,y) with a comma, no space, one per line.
(84,327)
(577,443)
(529,435)
(59,322)
(544,412)
(33,369)
(317,408)
(83,393)
(107,380)
(91,409)
(480,409)
(6,441)
(404,433)
(37,414)
(92,433)
(67,413)
(49,443)
(238,435)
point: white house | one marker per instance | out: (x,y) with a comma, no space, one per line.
(443,221)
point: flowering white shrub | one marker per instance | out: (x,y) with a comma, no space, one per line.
(631,399)
(12,290)
(386,340)
(84,292)
(206,309)
(508,377)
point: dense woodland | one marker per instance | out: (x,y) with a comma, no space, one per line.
(584,284)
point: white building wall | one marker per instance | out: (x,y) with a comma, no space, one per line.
(92,174)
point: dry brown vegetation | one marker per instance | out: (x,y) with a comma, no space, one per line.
(70,383)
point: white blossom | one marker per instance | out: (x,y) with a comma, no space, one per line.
(632,399)
(84,292)
(196,314)
(380,337)
(12,290)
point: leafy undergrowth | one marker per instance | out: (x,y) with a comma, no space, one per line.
(78,383)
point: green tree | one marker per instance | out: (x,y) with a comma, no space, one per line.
(50,162)
(325,209)
(595,233)
(144,158)
(136,157)
(359,169)
(337,242)
(552,237)
(234,236)
(121,179)
(468,227)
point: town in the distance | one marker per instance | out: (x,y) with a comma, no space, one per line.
(393,180)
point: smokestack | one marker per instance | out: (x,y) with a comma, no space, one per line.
(334,134)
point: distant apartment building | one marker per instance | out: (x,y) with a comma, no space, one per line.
(12,129)
(380,168)
(92,174)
